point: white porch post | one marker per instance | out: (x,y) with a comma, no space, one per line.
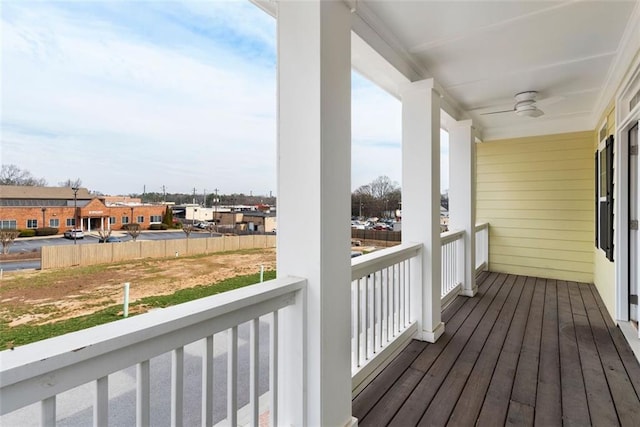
(462,197)
(421,200)
(314,162)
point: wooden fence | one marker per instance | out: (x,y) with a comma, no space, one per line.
(379,235)
(91,254)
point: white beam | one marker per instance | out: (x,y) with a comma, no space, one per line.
(421,199)
(314,161)
(462,196)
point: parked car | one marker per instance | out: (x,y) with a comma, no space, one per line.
(110,239)
(74,234)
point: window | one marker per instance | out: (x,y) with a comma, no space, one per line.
(155,218)
(9,223)
(71,222)
(112,220)
(54,222)
(604,197)
(140,219)
(32,223)
(125,220)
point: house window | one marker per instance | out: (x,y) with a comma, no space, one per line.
(604,197)
(125,220)
(140,219)
(32,223)
(71,222)
(155,218)
(9,223)
(54,222)
(112,220)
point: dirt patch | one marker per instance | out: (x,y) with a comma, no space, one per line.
(39,297)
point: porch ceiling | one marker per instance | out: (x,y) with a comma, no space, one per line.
(484,52)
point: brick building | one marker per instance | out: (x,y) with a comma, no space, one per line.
(24,207)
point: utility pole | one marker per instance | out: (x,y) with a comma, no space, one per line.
(75,212)
(194,195)
(164,194)
(215,208)
(204,198)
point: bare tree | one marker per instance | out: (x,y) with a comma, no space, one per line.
(72,183)
(7,236)
(211,228)
(188,228)
(104,234)
(134,230)
(382,187)
(13,175)
(376,198)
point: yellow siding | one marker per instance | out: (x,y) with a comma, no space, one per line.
(537,195)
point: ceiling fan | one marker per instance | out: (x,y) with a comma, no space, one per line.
(525,105)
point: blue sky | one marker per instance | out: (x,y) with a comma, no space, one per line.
(182,94)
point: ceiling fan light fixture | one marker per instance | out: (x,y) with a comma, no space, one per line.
(529,111)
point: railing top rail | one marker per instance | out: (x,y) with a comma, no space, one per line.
(228,308)
(482,225)
(451,236)
(375,261)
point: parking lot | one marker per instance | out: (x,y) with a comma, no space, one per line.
(33,245)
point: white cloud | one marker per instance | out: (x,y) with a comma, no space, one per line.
(126,94)
(87,96)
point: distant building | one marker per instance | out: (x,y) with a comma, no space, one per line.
(25,207)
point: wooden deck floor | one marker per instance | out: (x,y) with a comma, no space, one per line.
(524,350)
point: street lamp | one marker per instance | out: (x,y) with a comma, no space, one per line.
(215,209)
(75,213)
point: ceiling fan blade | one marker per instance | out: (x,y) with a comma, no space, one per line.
(550,101)
(497,112)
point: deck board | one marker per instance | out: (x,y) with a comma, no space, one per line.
(524,351)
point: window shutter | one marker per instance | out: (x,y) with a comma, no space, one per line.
(609,213)
(597,196)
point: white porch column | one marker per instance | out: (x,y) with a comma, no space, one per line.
(421,200)
(462,196)
(314,162)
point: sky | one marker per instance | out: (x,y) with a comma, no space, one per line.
(133,95)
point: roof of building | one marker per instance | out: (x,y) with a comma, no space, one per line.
(44,193)
(258,214)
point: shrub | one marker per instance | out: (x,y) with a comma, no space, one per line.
(158,227)
(30,232)
(46,231)
(130,225)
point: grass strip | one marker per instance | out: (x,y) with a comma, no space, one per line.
(25,334)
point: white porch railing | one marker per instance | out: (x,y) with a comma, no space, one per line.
(381,320)
(41,371)
(452,264)
(482,247)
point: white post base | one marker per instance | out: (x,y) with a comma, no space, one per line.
(432,336)
(469,292)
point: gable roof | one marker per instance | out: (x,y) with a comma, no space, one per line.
(42,193)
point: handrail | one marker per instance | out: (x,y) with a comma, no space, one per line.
(450,236)
(375,261)
(482,226)
(37,371)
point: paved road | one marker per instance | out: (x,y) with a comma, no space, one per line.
(34,245)
(74,408)
(19,265)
